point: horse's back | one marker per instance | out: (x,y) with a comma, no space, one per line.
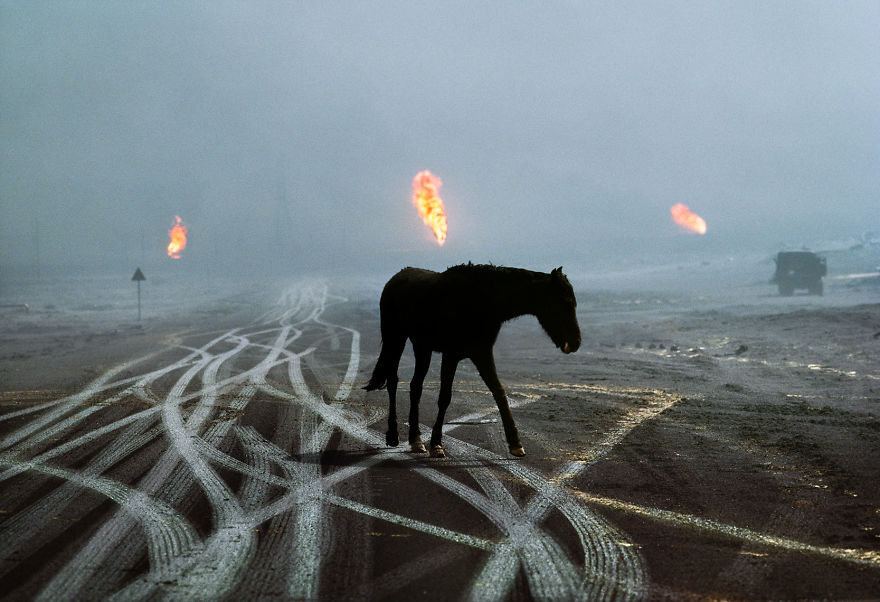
(408,285)
(412,277)
(405,292)
(438,310)
(415,304)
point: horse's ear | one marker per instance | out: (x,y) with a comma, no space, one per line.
(557,272)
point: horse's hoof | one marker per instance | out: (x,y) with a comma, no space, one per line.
(392,439)
(517,450)
(417,447)
(437,451)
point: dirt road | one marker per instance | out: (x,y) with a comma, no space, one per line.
(682,454)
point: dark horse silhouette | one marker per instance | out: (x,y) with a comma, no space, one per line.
(459,313)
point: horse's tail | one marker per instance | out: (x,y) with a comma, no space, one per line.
(393,335)
(380,372)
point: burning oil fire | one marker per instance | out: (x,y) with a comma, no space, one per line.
(427,199)
(178,238)
(687,218)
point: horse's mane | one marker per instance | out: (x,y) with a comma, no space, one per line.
(481,270)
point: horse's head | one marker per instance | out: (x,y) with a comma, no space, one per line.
(556,312)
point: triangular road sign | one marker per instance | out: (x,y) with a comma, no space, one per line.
(138,275)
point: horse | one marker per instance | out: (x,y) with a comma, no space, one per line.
(459,313)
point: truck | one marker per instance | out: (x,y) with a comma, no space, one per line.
(799,270)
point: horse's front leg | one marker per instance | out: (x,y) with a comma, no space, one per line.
(423,361)
(485,364)
(447,374)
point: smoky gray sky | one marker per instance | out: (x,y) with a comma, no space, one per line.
(289,133)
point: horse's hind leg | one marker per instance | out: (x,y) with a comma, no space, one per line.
(395,350)
(447,374)
(486,367)
(423,360)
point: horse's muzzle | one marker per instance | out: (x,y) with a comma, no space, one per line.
(568,348)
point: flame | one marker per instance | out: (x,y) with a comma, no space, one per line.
(178,238)
(426,198)
(687,218)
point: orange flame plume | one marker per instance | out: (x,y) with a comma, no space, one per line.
(178,238)
(426,198)
(687,218)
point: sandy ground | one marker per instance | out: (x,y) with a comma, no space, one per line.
(713,444)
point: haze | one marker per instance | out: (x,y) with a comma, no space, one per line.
(286,135)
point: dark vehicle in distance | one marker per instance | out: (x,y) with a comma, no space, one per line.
(799,270)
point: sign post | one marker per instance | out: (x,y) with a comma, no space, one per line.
(138,277)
